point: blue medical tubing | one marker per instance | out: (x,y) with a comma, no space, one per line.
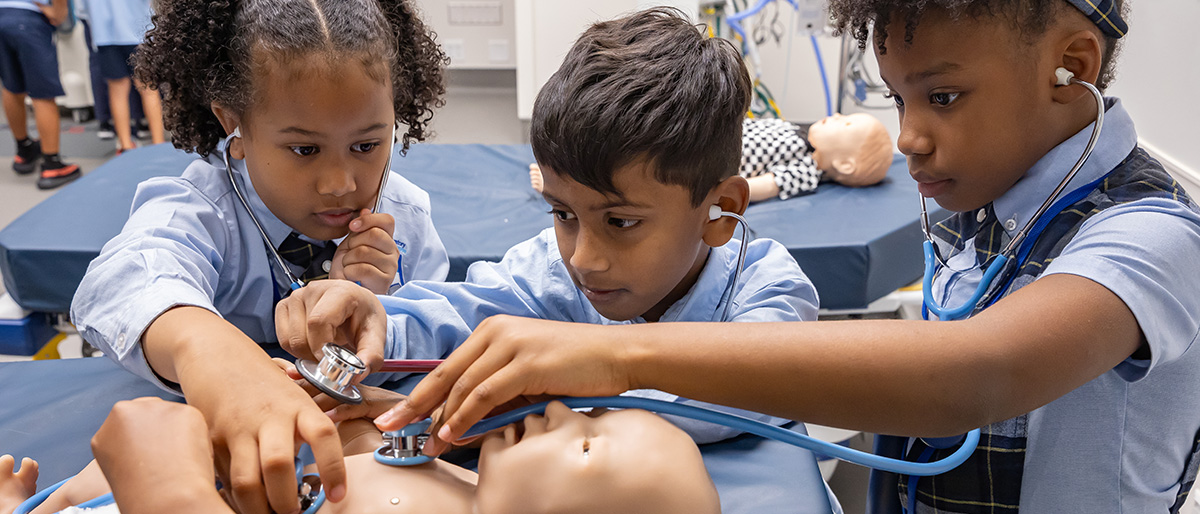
(746,425)
(964,310)
(735,20)
(824,78)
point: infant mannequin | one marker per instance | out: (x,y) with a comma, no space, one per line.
(621,461)
(778,160)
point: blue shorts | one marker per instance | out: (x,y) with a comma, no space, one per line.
(114,61)
(28,57)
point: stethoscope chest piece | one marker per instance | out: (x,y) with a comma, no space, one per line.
(403,447)
(333,374)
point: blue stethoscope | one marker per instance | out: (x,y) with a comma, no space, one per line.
(1024,239)
(294,282)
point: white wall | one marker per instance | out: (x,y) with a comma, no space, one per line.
(1157,79)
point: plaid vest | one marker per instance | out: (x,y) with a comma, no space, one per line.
(990,480)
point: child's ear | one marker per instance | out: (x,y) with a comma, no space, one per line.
(229,121)
(731,195)
(1082,54)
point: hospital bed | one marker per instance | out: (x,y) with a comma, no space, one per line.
(51,409)
(856,245)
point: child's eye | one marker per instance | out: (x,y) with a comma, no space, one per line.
(562,215)
(622,222)
(891,95)
(943,99)
(363,147)
(305,151)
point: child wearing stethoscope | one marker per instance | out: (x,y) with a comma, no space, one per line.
(1079,357)
(292,106)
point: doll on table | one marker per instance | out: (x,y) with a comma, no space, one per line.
(158,458)
(780,159)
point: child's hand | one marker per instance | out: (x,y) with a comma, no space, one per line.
(368,255)
(332,311)
(156,454)
(376,401)
(507,357)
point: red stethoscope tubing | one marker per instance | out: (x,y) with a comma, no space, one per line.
(409,365)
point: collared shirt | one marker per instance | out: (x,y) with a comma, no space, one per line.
(1119,442)
(189,241)
(28,5)
(428,320)
(117,22)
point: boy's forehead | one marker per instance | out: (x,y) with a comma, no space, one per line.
(635,183)
(941,44)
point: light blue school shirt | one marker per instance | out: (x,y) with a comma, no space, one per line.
(28,5)
(1119,442)
(189,241)
(118,22)
(429,319)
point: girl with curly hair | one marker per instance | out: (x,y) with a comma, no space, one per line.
(302,99)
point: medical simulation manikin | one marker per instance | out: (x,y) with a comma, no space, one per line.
(628,461)
(779,159)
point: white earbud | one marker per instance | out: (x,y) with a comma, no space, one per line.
(237,131)
(714,212)
(1064,76)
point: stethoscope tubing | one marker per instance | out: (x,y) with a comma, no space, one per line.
(746,425)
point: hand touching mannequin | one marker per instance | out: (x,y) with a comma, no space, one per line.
(778,160)
(627,461)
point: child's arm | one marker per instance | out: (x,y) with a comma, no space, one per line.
(368,255)
(158,458)
(255,412)
(896,377)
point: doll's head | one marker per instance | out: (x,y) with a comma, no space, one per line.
(628,461)
(853,150)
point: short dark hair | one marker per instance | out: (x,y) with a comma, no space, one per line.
(1029,17)
(201,51)
(646,87)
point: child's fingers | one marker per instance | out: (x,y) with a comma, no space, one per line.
(321,435)
(245,478)
(431,391)
(277,455)
(374,239)
(498,387)
(367,219)
(291,327)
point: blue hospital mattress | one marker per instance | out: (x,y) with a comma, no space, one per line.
(51,409)
(856,244)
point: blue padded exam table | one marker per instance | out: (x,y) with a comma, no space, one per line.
(856,245)
(51,409)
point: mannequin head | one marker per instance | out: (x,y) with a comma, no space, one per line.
(628,461)
(853,150)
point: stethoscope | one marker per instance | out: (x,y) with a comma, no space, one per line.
(1029,232)
(339,366)
(294,282)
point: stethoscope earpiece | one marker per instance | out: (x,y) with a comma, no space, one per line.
(1064,76)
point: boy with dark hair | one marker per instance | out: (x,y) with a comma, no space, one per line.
(1079,361)
(631,178)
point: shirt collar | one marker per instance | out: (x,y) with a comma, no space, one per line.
(1117,139)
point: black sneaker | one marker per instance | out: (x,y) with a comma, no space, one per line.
(106,131)
(56,173)
(28,154)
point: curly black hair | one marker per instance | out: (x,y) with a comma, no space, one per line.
(1029,17)
(199,52)
(646,86)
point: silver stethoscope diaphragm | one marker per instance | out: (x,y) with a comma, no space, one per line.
(333,374)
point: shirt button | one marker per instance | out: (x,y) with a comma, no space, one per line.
(1011,224)
(327,265)
(981,216)
(120,341)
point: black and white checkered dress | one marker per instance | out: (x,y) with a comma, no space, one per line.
(779,147)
